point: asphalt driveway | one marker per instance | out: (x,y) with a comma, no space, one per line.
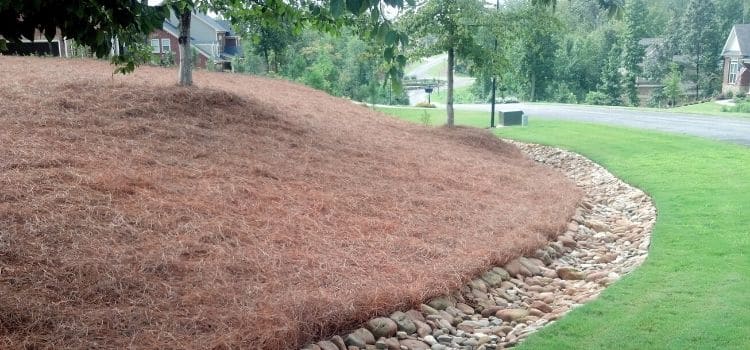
(729,129)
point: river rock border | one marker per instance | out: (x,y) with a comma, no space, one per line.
(607,238)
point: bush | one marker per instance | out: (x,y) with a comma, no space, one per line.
(566,98)
(741,107)
(658,99)
(597,98)
(729,95)
(425,118)
(424,104)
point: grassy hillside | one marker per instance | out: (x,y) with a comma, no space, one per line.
(244,213)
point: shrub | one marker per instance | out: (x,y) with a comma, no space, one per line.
(424,104)
(597,98)
(741,107)
(729,95)
(657,99)
(568,97)
(425,118)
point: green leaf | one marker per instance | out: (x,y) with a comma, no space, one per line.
(354,6)
(388,54)
(391,37)
(337,7)
(395,76)
(401,60)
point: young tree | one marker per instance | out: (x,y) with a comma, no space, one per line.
(702,40)
(633,52)
(269,41)
(611,84)
(673,85)
(537,45)
(445,26)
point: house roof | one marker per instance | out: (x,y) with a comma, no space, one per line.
(738,42)
(227,25)
(174,31)
(211,22)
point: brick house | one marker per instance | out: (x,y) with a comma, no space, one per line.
(736,61)
(212,41)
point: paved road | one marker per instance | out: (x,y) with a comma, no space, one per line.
(422,71)
(727,129)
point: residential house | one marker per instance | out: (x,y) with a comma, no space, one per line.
(59,46)
(736,57)
(213,41)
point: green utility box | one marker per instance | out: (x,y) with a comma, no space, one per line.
(512,118)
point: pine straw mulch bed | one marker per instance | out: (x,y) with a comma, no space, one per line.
(249,212)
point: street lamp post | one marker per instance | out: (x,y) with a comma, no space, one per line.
(494,77)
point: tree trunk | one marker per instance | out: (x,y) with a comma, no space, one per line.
(449,93)
(268,61)
(186,58)
(697,76)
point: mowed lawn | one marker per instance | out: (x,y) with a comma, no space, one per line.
(693,292)
(437,116)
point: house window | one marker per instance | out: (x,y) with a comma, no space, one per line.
(165,45)
(733,69)
(155,45)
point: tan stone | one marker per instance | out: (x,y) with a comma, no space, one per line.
(509,315)
(569,273)
(515,268)
(542,306)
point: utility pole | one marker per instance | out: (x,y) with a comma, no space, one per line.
(494,76)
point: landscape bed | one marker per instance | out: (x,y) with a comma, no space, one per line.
(690,293)
(246,212)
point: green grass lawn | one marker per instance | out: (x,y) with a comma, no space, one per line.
(438,116)
(437,71)
(700,108)
(460,95)
(705,108)
(693,292)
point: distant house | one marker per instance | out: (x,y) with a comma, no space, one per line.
(647,87)
(736,57)
(59,46)
(213,41)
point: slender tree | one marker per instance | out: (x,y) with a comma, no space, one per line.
(702,41)
(634,19)
(611,78)
(537,44)
(445,26)
(673,85)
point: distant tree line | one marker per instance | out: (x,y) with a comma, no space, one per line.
(588,50)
